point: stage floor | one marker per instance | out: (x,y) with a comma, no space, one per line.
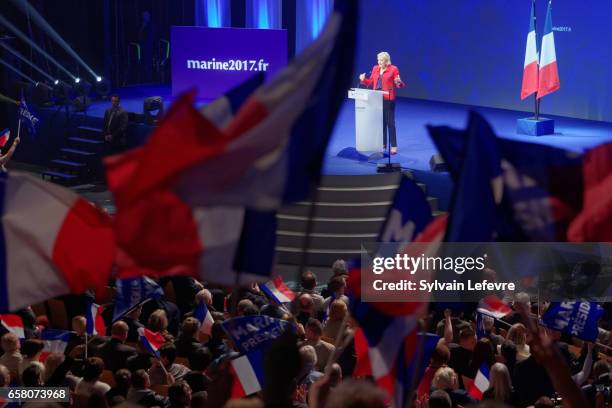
(412,116)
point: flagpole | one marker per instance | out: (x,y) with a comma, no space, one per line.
(18,127)
(86,345)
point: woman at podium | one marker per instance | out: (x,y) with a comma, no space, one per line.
(385,77)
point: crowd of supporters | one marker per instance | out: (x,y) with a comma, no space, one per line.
(313,367)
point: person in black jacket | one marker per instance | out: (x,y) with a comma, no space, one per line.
(114,353)
(141,393)
(115,126)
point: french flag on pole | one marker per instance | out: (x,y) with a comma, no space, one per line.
(151,341)
(95,322)
(55,341)
(481,382)
(4,137)
(278,291)
(14,324)
(549,73)
(206,320)
(53,242)
(494,307)
(530,67)
(248,374)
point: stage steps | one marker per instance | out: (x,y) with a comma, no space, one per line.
(349,211)
(78,161)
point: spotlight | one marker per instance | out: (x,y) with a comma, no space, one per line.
(56,82)
(151,104)
(98,79)
(77,80)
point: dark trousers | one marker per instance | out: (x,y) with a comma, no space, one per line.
(389,122)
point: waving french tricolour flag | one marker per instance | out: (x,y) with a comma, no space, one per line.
(95,322)
(278,291)
(494,307)
(549,73)
(248,374)
(55,341)
(203,315)
(530,67)
(223,216)
(13,323)
(481,382)
(4,137)
(151,341)
(54,242)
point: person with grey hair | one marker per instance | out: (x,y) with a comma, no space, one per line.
(385,77)
(308,373)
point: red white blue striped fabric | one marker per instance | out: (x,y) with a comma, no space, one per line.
(278,291)
(14,324)
(4,137)
(52,242)
(494,307)
(248,373)
(206,320)
(481,382)
(54,341)
(530,67)
(151,341)
(549,73)
(95,322)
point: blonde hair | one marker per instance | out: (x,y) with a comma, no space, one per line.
(385,55)
(518,334)
(500,382)
(444,379)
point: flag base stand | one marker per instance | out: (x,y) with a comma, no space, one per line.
(388,168)
(535,127)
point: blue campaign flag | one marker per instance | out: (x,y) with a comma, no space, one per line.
(408,215)
(250,333)
(577,318)
(26,118)
(133,292)
(508,190)
(481,331)
(474,214)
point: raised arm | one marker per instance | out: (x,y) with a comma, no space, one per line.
(5,158)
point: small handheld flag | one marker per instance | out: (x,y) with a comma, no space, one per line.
(481,382)
(4,137)
(278,291)
(14,324)
(151,341)
(95,322)
(206,320)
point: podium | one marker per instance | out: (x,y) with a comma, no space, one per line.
(368,119)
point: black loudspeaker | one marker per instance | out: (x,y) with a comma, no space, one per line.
(81,103)
(437,163)
(153,109)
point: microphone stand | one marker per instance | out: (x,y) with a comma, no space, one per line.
(387,167)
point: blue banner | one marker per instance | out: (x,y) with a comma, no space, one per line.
(578,319)
(134,292)
(250,333)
